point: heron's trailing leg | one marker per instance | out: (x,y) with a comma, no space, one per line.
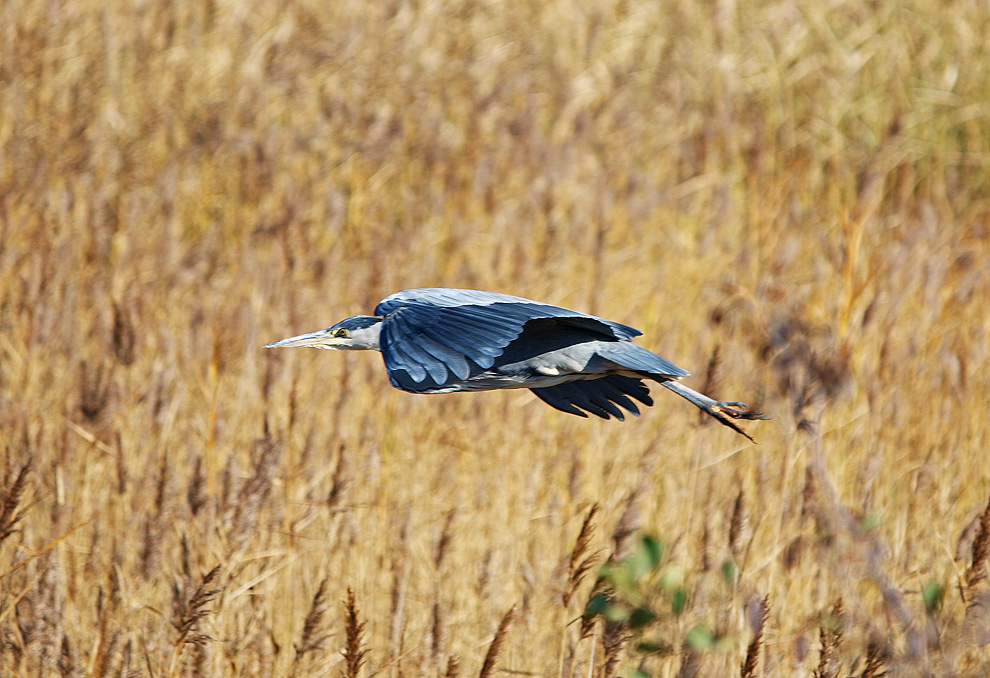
(724,411)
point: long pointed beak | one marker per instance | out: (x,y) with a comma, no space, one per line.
(311,339)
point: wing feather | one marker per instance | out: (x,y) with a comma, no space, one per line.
(462,344)
(455,361)
(597,396)
(411,345)
(439,332)
(612,393)
(438,297)
(396,357)
(556,400)
(478,328)
(586,399)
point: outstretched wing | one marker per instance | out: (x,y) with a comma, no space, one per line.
(598,396)
(439,333)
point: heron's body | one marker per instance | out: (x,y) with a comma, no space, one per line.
(578,362)
(438,340)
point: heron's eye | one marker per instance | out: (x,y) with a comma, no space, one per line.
(340,333)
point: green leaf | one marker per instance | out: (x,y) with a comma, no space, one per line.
(645,558)
(700,637)
(640,673)
(730,571)
(869,522)
(933,594)
(678,601)
(672,579)
(653,548)
(616,614)
(640,617)
(619,576)
(596,605)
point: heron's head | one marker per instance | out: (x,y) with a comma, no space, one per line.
(354,334)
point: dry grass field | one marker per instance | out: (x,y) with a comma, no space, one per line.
(791,198)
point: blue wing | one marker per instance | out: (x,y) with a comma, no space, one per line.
(441,334)
(598,396)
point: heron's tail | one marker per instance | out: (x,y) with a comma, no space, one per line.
(725,412)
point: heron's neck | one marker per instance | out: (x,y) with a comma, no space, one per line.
(366,338)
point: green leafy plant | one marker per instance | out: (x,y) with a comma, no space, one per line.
(645,594)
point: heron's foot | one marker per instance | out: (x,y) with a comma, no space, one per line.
(727,411)
(738,410)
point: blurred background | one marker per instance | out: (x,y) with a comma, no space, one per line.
(790,198)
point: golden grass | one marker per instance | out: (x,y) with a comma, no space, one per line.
(795,194)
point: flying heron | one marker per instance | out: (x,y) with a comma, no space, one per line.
(437,340)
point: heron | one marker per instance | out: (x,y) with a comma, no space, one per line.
(441,340)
